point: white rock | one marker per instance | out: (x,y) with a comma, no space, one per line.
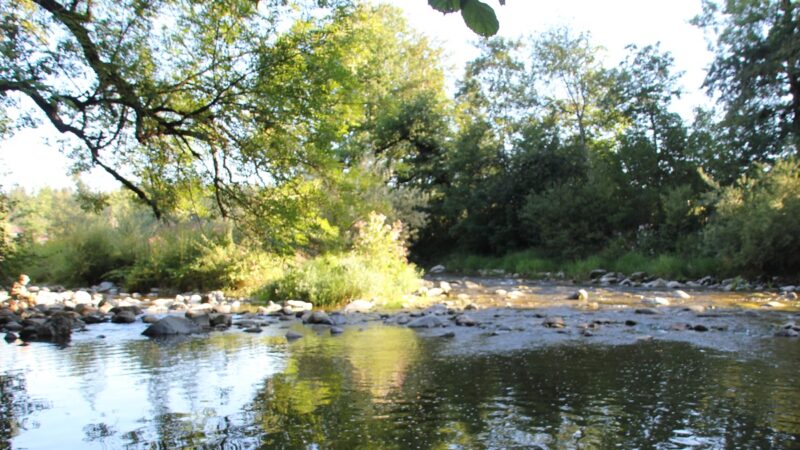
(774,304)
(515,294)
(270,309)
(81,297)
(299,305)
(445,287)
(437,269)
(657,301)
(47,298)
(681,294)
(434,292)
(4,296)
(358,306)
(235,305)
(195,298)
(501,292)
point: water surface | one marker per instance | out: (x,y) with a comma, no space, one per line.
(380,386)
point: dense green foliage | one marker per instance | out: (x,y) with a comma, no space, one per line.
(296,124)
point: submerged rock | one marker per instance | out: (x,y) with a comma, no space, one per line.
(426,322)
(319,318)
(172,325)
(292,335)
(554,322)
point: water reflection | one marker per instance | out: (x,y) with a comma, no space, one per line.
(385,387)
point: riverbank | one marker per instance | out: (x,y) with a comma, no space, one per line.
(479,314)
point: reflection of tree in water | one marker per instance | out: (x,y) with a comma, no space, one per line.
(569,396)
(15,406)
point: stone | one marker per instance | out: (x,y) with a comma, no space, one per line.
(646,311)
(445,287)
(201,319)
(81,297)
(787,332)
(638,276)
(580,294)
(657,283)
(95,318)
(13,326)
(318,318)
(358,306)
(501,292)
(471,285)
(220,320)
(700,327)
(11,337)
(681,294)
(789,288)
(554,322)
(774,304)
(697,309)
(124,316)
(105,286)
(656,301)
(434,292)
(149,319)
(336,330)
(271,308)
(172,325)
(135,310)
(630,323)
(464,320)
(449,334)
(292,335)
(674,285)
(426,322)
(437,269)
(253,330)
(597,273)
(299,305)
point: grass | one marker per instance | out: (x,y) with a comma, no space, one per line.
(532,264)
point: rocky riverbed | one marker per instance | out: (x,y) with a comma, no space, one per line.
(475,314)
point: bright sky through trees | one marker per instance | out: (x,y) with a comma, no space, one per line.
(31,159)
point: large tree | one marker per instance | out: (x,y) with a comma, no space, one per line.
(246,101)
(756,73)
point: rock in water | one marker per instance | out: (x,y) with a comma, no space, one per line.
(580,294)
(554,322)
(426,322)
(171,325)
(319,317)
(358,306)
(124,316)
(292,335)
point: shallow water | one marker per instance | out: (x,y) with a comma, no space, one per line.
(389,387)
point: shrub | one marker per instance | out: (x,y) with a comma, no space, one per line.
(755,228)
(375,267)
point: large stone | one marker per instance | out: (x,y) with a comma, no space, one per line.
(57,328)
(81,297)
(597,273)
(105,286)
(465,321)
(124,316)
(429,321)
(437,269)
(272,308)
(220,320)
(172,325)
(298,305)
(201,319)
(319,318)
(657,283)
(358,306)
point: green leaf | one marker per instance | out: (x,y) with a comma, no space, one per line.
(445,6)
(480,17)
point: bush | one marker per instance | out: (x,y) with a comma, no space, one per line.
(755,228)
(374,268)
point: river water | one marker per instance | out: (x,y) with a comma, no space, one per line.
(383,387)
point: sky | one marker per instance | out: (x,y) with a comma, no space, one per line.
(31,158)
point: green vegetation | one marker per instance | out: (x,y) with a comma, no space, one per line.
(261,142)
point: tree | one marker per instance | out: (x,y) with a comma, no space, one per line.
(568,66)
(756,73)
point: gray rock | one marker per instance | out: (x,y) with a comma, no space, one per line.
(656,301)
(700,327)
(13,326)
(697,309)
(172,325)
(125,316)
(292,335)
(681,294)
(464,320)
(646,311)
(430,321)
(253,330)
(220,320)
(57,328)
(597,273)
(638,276)
(95,318)
(11,337)
(319,318)
(674,285)
(202,320)
(787,332)
(149,319)
(657,283)
(554,322)
(336,330)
